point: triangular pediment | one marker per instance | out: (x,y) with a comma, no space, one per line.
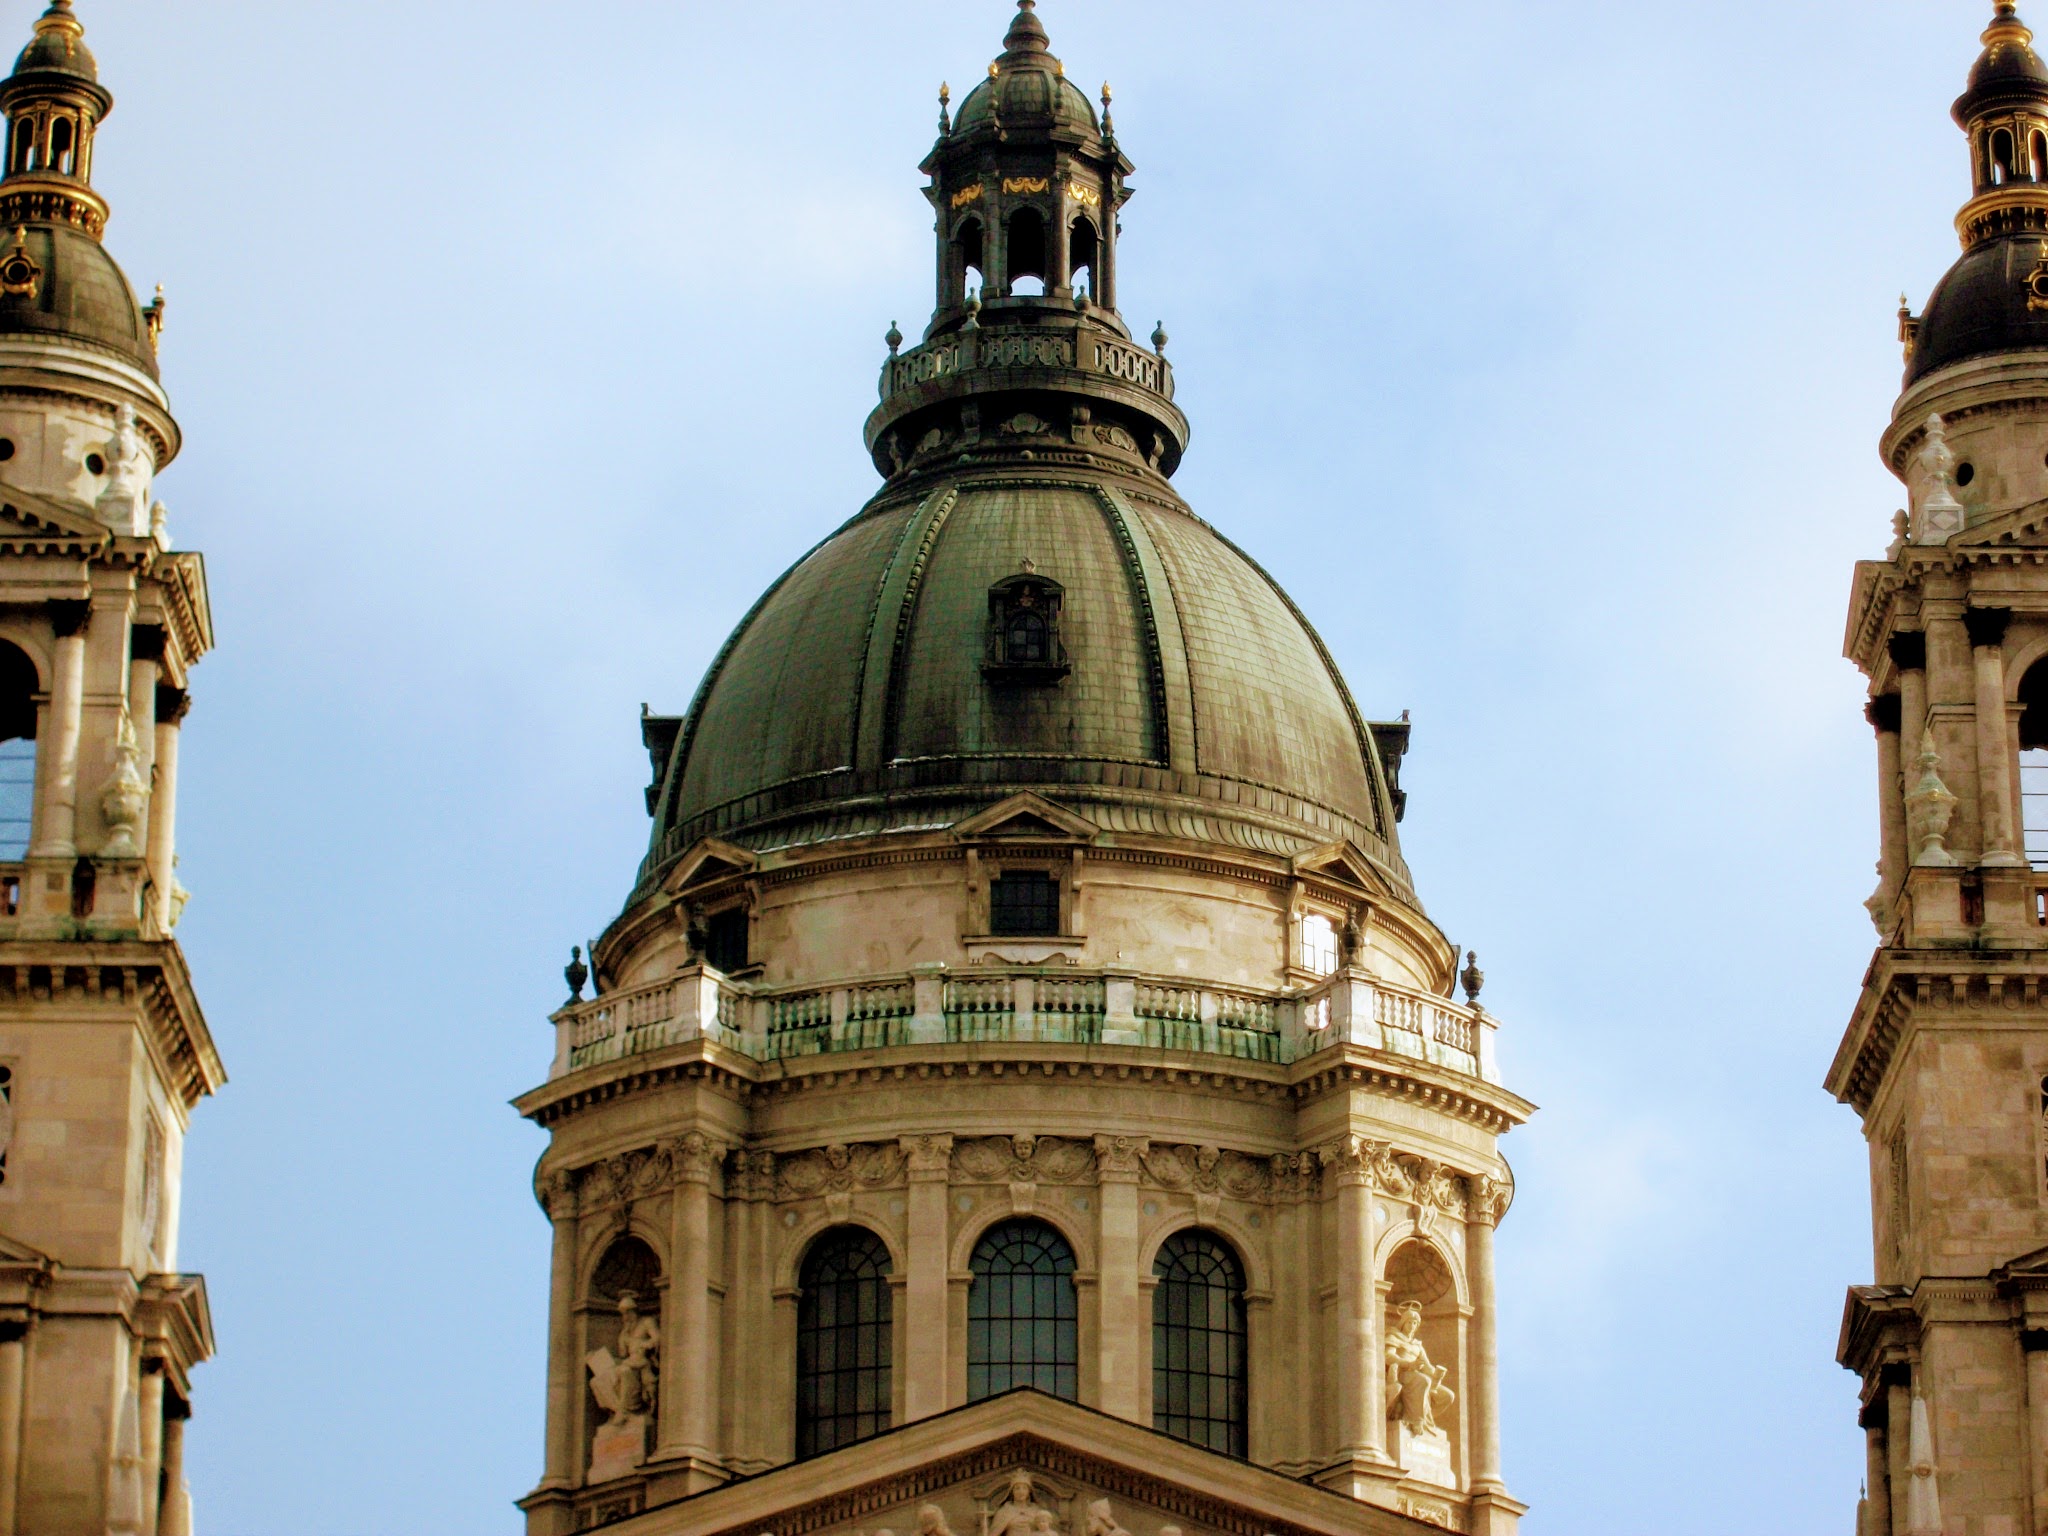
(1026,815)
(955,1474)
(28,519)
(1343,862)
(708,859)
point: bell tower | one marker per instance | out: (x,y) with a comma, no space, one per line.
(104,1052)
(1945,1058)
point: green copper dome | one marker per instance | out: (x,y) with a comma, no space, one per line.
(857,697)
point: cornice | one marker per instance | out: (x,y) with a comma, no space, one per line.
(38,973)
(1901,983)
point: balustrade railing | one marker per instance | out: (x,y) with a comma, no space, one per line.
(1020,1003)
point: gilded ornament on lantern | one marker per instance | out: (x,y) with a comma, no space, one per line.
(1012,184)
(1081,193)
(966,195)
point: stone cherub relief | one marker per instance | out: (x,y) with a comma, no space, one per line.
(625,1380)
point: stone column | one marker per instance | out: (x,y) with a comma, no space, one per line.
(150,1424)
(1059,271)
(1951,695)
(167,716)
(1120,1320)
(145,660)
(926,1294)
(171,1519)
(689,1394)
(1361,1375)
(1877,1478)
(12,1347)
(1488,1200)
(1986,628)
(1883,713)
(56,829)
(558,1194)
(1898,1415)
(1908,652)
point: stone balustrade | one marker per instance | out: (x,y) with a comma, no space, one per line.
(936,1005)
(1002,347)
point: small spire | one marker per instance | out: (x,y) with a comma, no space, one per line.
(894,338)
(2006,26)
(1108,122)
(945,116)
(1159,337)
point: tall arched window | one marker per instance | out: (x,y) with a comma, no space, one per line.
(1021,1329)
(2033,730)
(17,750)
(844,1335)
(1198,1343)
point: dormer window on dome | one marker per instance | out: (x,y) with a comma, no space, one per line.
(1024,630)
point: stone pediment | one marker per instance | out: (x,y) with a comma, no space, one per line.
(1026,816)
(36,524)
(1342,862)
(958,1474)
(708,860)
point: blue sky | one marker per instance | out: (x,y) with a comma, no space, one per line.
(1539,349)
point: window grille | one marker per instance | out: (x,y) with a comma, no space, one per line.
(1021,1328)
(1198,1343)
(1024,903)
(844,1338)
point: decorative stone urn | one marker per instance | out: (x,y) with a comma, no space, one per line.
(1929,808)
(124,801)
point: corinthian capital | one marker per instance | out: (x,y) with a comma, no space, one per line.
(556,1191)
(1487,1199)
(691,1157)
(1356,1160)
(1118,1157)
(927,1157)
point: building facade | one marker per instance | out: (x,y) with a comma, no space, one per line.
(1023,1090)
(104,1053)
(1946,1056)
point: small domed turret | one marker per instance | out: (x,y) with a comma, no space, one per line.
(58,47)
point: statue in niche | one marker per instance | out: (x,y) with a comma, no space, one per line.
(1101,1522)
(1020,1514)
(624,1379)
(1416,1393)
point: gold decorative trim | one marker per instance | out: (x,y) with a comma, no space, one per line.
(967,195)
(1014,184)
(1084,194)
(20,275)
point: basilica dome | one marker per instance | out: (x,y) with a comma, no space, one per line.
(859,696)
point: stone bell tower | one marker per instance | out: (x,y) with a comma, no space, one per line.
(103,1049)
(1946,1055)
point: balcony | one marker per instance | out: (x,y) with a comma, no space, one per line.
(932,1005)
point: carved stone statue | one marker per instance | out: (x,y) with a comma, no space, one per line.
(624,1380)
(1941,515)
(1416,1393)
(1020,1514)
(128,466)
(1101,1522)
(931,1521)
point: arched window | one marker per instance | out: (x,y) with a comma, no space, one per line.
(1081,246)
(2001,157)
(24,141)
(1021,1329)
(2033,698)
(968,261)
(1024,251)
(2038,147)
(61,146)
(844,1336)
(1198,1343)
(17,751)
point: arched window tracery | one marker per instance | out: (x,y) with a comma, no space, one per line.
(845,1336)
(1022,1328)
(1200,1377)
